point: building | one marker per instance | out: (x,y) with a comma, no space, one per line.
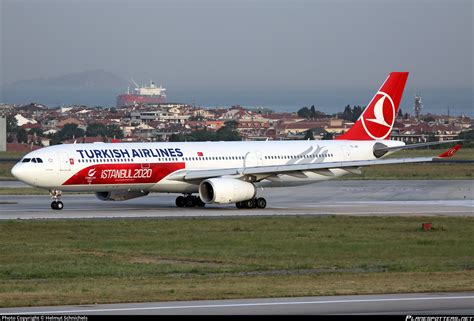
(3,134)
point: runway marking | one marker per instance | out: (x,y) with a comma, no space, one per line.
(243,305)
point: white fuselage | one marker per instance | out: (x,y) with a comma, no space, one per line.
(149,166)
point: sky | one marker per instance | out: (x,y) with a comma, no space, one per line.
(233,45)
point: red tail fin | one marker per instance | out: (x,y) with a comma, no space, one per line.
(376,122)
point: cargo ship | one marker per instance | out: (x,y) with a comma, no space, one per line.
(151,94)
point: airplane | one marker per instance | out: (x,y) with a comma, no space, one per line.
(221,172)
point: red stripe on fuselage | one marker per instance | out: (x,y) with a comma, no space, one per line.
(144,173)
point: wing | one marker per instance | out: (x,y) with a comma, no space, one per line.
(297,169)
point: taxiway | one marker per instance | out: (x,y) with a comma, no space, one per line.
(338,197)
(405,304)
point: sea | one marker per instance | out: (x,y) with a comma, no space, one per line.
(435,101)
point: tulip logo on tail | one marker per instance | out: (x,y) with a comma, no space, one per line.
(378,120)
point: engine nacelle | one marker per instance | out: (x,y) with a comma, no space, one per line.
(226,190)
(119,195)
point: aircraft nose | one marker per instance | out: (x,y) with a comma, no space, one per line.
(15,171)
(18,172)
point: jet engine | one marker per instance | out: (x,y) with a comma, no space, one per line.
(226,190)
(119,195)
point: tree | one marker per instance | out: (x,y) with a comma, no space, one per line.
(12,124)
(37,131)
(347,113)
(356,112)
(308,135)
(114,131)
(351,113)
(304,112)
(468,136)
(327,136)
(177,138)
(400,113)
(69,131)
(203,136)
(428,119)
(96,129)
(313,112)
(228,132)
(21,135)
(310,113)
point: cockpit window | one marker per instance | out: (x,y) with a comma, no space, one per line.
(33,160)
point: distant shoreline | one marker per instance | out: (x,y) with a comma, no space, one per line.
(459,101)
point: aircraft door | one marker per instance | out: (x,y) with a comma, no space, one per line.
(145,163)
(253,159)
(64,161)
(346,154)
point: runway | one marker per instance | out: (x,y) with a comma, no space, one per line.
(405,304)
(338,197)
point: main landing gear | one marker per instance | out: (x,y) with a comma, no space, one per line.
(56,204)
(252,203)
(189,201)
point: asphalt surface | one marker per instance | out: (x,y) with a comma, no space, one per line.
(405,304)
(338,197)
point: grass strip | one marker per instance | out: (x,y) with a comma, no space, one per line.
(133,260)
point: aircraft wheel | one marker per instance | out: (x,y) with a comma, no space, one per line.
(179,201)
(189,201)
(249,203)
(239,205)
(199,202)
(261,202)
(57,205)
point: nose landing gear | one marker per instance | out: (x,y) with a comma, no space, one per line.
(56,204)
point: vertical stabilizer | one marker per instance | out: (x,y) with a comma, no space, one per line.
(376,122)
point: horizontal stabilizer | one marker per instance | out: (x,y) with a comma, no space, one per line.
(379,147)
(450,152)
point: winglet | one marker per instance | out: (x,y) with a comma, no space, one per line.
(450,152)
